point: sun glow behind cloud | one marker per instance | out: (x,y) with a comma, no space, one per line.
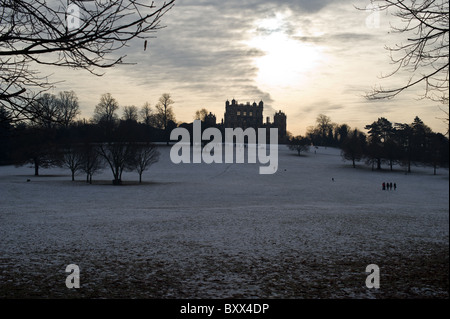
(286,61)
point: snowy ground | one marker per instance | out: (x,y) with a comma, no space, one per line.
(224,231)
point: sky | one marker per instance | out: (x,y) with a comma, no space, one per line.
(302,57)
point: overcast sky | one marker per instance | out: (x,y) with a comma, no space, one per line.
(302,57)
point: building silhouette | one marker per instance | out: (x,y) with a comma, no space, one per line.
(246,116)
(251,115)
(243,115)
(210,120)
(279,121)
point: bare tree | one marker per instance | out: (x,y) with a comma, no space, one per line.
(164,114)
(105,110)
(73,159)
(117,155)
(445,119)
(144,156)
(299,144)
(146,114)
(47,113)
(50,111)
(426,50)
(164,111)
(130,113)
(324,125)
(36,145)
(92,161)
(82,35)
(201,114)
(69,108)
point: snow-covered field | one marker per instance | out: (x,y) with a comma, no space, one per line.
(224,231)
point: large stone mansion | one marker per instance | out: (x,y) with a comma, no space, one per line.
(249,115)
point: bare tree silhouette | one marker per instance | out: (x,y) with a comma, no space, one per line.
(425,53)
(130,113)
(145,155)
(164,114)
(201,114)
(48,33)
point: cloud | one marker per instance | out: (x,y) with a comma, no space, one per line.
(204,56)
(203,46)
(201,50)
(337,39)
(204,41)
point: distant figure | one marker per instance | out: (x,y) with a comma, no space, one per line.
(395,186)
(332,179)
(390,186)
(28,180)
(384,186)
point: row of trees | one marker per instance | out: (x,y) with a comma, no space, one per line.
(405,144)
(385,143)
(54,136)
(327,133)
(84,148)
(160,117)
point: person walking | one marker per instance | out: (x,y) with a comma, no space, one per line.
(384,186)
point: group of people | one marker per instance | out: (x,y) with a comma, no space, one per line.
(388,186)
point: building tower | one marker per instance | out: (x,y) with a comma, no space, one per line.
(279,121)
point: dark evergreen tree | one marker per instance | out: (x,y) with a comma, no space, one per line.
(353,147)
(437,154)
(380,135)
(6,131)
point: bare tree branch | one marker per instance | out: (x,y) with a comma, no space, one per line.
(76,34)
(426,50)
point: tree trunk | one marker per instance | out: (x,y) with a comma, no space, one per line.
(140,178)
(116,176)
(354,164)
(117,179)
(73,176)
(36,167)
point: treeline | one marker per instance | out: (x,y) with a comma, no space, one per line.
(385,143)
(54,137)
